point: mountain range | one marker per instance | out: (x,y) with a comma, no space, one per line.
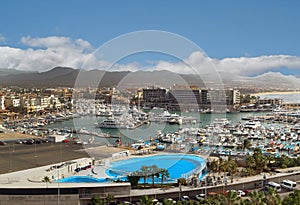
(68,77)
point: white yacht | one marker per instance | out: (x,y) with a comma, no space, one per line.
(252,124)
(112,124)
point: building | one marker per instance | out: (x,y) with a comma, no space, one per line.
(269,101)
(219,100)
(183,98)
(12,101)
(220,97)
(2,102)
(154,97)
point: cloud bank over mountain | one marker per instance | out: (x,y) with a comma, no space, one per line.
(42,54)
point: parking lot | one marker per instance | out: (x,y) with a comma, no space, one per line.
(16,157)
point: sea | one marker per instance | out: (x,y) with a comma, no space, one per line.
(145,132)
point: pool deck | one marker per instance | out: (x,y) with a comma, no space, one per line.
(33,178)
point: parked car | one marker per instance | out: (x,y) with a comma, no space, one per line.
(288,184)
(184,198)
(172,200)
(199,197)
(2,143)
(66,141)
(240,193)
(19,142)
(30,142)
(246,192)
(37,141)
(156,202)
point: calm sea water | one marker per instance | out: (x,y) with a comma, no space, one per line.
(146,131)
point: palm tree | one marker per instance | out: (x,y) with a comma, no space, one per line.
(251,163)
(145,173)
(231,198)
(154,171)
(260,160)
(47,180)
(109,198)
(167,202)
(164,174)
(134,178)
(217,199)
(292,198)
(146,200)
(272,198)
(96,201)
(214,166)
(256,198)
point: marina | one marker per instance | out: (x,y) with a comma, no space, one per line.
(217,134)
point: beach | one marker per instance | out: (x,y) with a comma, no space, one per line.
(276,93)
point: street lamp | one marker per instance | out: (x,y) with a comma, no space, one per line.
(179,190)
(264,179)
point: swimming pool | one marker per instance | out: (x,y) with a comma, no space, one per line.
(83,179)
(178,165)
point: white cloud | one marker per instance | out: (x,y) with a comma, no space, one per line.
(260,64)
(240,66)
(45,53)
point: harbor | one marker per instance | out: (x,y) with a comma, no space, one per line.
(275,133)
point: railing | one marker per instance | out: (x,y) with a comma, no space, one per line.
(122,173)
(9,180)
(196,170)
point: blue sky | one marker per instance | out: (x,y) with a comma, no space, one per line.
(223,29)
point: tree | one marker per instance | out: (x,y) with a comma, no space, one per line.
(47,180)
(167,202)
(96,201)
(146,200)
(133,179)
(272,198)
(250,161)
(292,198)
(214,166)
(260,160)
(164,174)
(154,172)
(181,181)
(231,166)
(231,198)
(256,198)
(145,172)
(257,161)
(110,198)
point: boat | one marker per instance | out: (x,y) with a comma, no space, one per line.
(166,117)
(113,124)
(252,124)
(160,146)
(220,122)
(193,141)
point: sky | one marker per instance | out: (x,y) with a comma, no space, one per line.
(241,37)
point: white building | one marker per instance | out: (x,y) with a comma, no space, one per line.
(2,104)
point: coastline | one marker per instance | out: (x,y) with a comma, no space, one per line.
(275,93)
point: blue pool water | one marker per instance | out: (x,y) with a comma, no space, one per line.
(80,179)
(176,164)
